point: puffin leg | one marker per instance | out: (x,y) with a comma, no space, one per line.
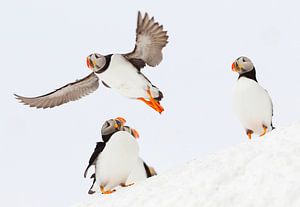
(106,192)
(124,185)
(152,102)
(249,133)
(157,105)
(265,130)
(149,103)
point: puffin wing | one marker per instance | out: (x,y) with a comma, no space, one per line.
(99,148)
(70,92)
(150,40)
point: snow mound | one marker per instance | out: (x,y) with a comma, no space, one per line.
(261,172)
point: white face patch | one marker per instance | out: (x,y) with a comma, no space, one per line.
(245,64)
(98,61)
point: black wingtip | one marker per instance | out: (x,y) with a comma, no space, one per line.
(16,96)
(86,171)
(91,192)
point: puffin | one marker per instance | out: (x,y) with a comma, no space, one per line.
(251,102)
(114,158)
(120,72)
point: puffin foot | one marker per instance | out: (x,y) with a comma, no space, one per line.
(249,133)
(124,185)
(152,102)
(106,192)
(265,131)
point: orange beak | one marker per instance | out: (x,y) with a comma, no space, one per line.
(89,63)
(233,67)
(135,133)
(121,119)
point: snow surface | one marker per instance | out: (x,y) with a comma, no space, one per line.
(261,172)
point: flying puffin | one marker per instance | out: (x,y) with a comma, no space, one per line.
(251,102)
(121,72)
(114,158)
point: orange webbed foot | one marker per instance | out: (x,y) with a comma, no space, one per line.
(249,133)
(152,102)
(126,185)
(106,192)
(265,131)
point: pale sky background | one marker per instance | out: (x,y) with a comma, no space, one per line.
(44,44)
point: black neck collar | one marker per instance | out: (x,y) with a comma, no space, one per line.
(106,137)
(107,62)
(251,75)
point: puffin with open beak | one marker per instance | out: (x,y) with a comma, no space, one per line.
(252,103)
(115,157)
(120,72)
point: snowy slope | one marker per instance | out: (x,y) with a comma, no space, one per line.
(261,172)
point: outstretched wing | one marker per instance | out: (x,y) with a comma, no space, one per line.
(99,148)
(150,40)
(70,92)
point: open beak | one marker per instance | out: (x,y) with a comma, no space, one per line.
(121,119)
(135,133)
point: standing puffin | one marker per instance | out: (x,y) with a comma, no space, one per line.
(114,158)
(121,72)
(251,102)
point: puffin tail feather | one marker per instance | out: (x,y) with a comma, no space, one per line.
(160,96)
(272,126)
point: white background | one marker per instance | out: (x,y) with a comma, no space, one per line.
(43,45)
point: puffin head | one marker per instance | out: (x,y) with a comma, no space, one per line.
(112,126)
(242,65)
(95,62)
(132,131)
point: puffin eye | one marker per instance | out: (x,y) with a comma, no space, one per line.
(96,56)
(243,59)
(118,122)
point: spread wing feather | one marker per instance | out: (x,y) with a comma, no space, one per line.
(150,40)
(70,92)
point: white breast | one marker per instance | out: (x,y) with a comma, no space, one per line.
(253,105)
(122,76)
(138,173)
(117,160)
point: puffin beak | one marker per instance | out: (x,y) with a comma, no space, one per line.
(121,119)
(135,133)
(116,126)
(89,63)
(235,67)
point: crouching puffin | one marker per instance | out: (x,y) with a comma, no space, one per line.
(121,72)
(114,158)
(251,102)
